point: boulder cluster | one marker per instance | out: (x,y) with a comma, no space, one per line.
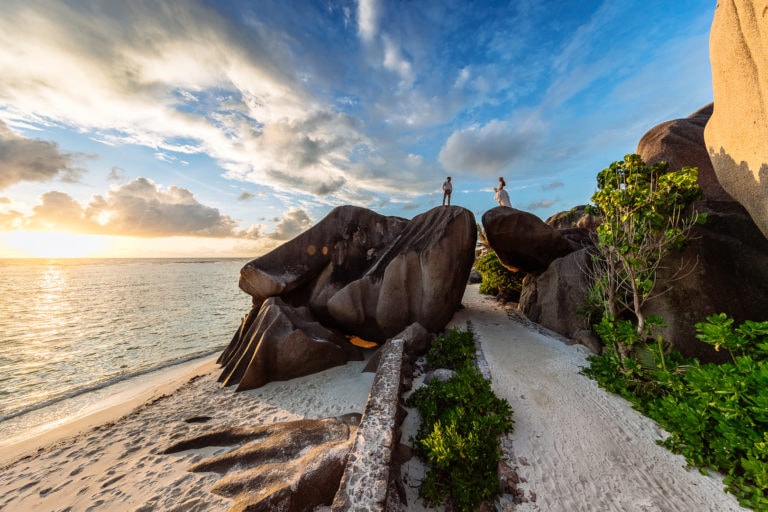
(727,256)
(355,273)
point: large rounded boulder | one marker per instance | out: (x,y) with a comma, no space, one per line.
(680,143)
(522,241)
(346,241)
(355,273)
(737,132)
(420,278)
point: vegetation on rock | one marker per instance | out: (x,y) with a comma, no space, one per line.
(462,421)
(717,415)
(646,215)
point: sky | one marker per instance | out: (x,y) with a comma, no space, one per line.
(192,128)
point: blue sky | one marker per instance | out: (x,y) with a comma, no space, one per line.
(204,128)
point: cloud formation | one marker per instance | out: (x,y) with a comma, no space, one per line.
(179,78)
(293,223)
(367,13)
(487,150)
(23,159)
(363,102)
(138,208)
(143,209)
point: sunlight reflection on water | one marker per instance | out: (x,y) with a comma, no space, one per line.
(67,325)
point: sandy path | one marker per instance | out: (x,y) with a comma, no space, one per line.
(578,447)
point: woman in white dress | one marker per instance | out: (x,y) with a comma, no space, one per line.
(501,195)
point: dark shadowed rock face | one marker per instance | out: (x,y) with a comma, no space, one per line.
(279,342)
(731,277)
(356,272)
(290,466)
(523,241)
(555,297)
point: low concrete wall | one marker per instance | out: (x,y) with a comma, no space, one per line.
(366,478)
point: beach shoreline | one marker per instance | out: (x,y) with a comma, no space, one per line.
(120,464)
(574,446)
(129,395)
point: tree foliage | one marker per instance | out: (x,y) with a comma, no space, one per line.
(646,215)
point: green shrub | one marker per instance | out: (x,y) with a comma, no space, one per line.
(453,350)
(717,415)
(497,278)
(462,420)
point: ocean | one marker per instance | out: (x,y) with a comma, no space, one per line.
(74,330)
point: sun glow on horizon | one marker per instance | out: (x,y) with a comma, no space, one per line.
(40,244)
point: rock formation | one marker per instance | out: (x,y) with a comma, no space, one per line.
(335,251)
(522,241)
(680,143)
(278,342)
(728,261)
(290,466)
(724,268)
(737,132)
(421,278)
(355,272)
(555,298)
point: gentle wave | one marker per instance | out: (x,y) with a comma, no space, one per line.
(105,384)
(70,327)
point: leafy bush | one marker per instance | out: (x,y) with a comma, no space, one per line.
(717,415)
(645,212)
(454,350)
(497,278)
(462,420)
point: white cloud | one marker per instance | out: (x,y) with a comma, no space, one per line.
(293,223)
(463,77)
(367,19)
(486,150)
(397,63)
(177,78)
(138,208)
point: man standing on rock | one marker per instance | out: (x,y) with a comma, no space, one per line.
(447,189)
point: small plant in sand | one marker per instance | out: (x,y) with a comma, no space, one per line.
(454,350)
(462,421)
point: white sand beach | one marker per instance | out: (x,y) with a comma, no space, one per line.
(574,447)
(118,466)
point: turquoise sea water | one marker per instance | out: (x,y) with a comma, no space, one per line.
(70,327)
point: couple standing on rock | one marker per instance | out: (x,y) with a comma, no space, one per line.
(501,196)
